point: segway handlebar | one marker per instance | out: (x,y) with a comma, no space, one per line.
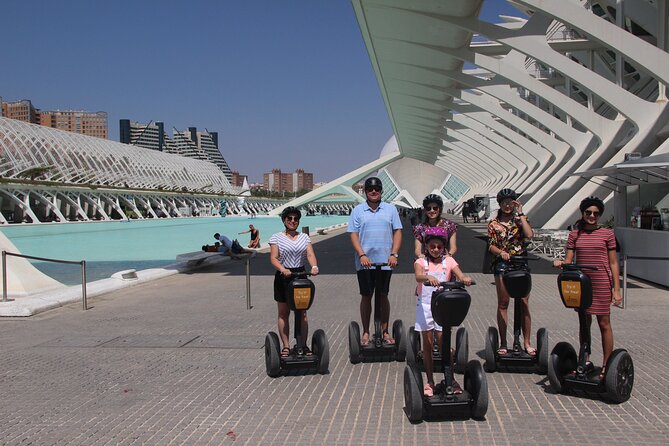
(301,274)
(378,265)
(521,258)
(575,266)
(453,284)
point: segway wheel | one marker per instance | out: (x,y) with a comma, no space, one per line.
(411,346)
(321,348)
(354,342)
(542,351)
(562,360)
(272,359)
(461,350)
(491,346)
(400,340)
(477,386)
(413,396)
(619,378)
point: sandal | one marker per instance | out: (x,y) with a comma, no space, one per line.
(502,351)
(457,390)
(387,340)
(531,351)
(285,352)
(428,390)
(602,374)
(364,340)
(307,352)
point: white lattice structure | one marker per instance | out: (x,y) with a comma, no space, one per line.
(85,178)
(524,103)
(74,159)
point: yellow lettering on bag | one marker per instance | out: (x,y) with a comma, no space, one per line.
(571,293)
(302,298)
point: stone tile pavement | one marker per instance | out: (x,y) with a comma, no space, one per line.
(180,361)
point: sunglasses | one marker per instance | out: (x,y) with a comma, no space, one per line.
(436,246)
(292,218)
(593,213)
(431,208)
(373,189)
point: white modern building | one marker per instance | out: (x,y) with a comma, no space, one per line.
(525,102)
(53,175)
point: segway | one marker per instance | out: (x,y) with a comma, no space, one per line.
(300,296)
(414,355)
(377,350)
(566,372)
(450,304)
(518,283)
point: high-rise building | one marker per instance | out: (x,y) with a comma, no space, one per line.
(276,181)
(77,121)
(83,122)
(199,145)
(150,136)
(238,179)
(302,180)
(22,110)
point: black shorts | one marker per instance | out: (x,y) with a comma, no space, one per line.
(371,279)
(281,284)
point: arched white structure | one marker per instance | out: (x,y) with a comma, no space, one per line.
(53,175)
(524,103)
(63,157)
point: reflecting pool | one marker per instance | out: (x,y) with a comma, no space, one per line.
(109,247)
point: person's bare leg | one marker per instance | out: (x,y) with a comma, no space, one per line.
(502,311)
(604,321)
(284,324)
(527,326)
(385,315)
(365,315)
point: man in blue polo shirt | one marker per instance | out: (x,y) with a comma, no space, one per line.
(376,234)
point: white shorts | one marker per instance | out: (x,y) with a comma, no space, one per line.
(424,321)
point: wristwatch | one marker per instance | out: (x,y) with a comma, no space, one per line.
(395,255)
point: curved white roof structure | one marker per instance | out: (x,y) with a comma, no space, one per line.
(524,103)
(63,157)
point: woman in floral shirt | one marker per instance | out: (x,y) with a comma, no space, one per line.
(433,206)
(508,234)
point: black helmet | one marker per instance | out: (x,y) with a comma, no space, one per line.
(373,182)
(433,198)
(506,193)
(592,201)
(290,210)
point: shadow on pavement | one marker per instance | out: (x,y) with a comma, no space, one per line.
(336,256)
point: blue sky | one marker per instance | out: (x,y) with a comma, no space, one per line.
(286,84)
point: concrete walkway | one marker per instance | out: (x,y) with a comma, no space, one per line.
(180,360)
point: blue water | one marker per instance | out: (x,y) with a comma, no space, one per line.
(109,247)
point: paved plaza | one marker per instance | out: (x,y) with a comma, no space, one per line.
(180,361)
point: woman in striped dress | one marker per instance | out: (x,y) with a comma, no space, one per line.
(594,245)
(289,251)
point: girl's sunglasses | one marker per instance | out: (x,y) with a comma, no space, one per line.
(292,218)
(373,189)
(593,213)
(431,208)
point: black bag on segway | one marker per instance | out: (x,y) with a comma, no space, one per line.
(450,306)
(300,294)
(518,283)
(575,289)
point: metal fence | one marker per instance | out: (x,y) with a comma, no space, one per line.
(4,273)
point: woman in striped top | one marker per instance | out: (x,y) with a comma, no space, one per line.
(593,245)
(289,251)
